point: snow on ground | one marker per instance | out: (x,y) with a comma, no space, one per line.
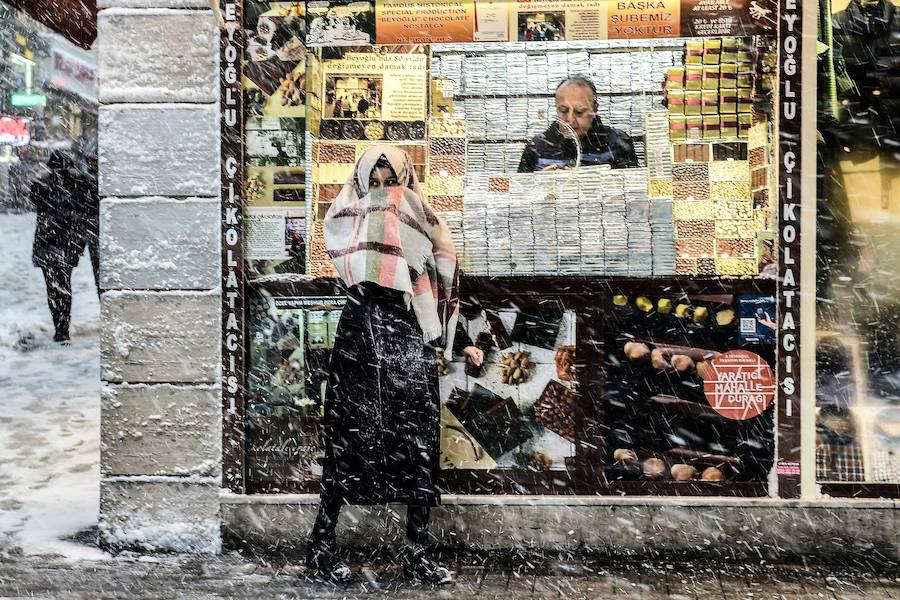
(50,405)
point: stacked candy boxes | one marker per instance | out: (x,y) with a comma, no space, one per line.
(711,95)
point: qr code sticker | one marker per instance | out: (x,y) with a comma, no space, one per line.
(748,325)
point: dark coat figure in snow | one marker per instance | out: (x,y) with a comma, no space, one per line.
(382,406)
(63,223)
(90,202)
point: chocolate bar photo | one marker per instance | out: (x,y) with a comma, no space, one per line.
(555,410)
(537,328)
(497,329)
(496,423)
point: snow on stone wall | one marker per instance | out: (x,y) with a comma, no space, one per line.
(161,316)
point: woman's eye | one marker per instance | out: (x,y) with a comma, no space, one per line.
(373,183)
(391,181)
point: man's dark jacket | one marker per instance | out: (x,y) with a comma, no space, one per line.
(602,145)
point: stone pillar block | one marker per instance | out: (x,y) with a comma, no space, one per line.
(161,430)
(159,149)
(160,514)
(178,50)
(160,337)
(159,243)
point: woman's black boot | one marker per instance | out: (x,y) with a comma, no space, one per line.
(321,555)
(324,563)
(416,565)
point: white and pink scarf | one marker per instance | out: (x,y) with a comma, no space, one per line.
(392,237)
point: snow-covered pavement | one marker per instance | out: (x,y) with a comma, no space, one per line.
(50,405)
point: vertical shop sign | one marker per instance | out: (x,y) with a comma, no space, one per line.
(232,194)
(789,149)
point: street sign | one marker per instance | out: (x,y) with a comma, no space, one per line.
(28,100)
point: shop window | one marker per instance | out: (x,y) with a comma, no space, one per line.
(858,218)
(618,268)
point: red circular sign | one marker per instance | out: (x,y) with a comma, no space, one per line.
(740,386)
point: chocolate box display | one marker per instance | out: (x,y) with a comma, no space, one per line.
(659,350)
(496,423)
(555,410)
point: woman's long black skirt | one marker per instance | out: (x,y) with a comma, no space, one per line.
(382,411)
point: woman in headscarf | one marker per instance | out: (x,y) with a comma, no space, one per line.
(382,406)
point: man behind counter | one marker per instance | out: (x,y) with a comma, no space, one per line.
(576,105)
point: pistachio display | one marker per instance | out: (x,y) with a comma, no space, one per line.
(636,351)
(514,367)
(682,472)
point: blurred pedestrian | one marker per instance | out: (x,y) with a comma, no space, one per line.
(90,204)
(61,234)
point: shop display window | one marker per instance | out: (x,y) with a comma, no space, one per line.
(618,260)
(858,220)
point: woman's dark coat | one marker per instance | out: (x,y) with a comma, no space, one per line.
(382,409)
(65,215)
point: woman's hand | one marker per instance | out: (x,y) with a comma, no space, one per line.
(474,356)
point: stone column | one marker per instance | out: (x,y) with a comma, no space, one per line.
(160,310)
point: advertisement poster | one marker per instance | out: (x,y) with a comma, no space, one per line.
(340,23)
(728,17)
(290,341)
(556,21)
(644,19)
(275,68)
(275,240)
(492,21)
(391,87)
(14,131)
(423,21)
(275,88)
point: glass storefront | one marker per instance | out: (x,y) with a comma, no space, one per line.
(619,267)
(858,219)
